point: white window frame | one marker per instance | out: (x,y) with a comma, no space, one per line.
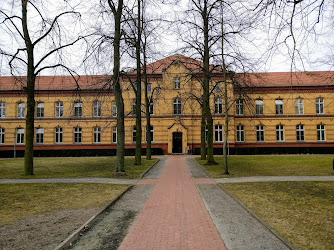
(2,136)
(152,134)
(177,83)
(2,109)
(40,110)
(280,133)
(77,135)
(134,134)
(279,107)
(21,110)
(218,133)
(319,106)
(239,107)
(299,106)
(39,135)
(96,135)
(259,107)
(58,135)
(321,135)
(20,136)
(78,109)
(259,133)
(151,107)
(218,106)
(149,88)
(114,135)
(218,88)
(114,109)
(177,108)
(59,109)
(97,109)
(134,107)
(300,133)
(240,133)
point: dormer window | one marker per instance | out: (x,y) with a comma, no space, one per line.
(177,83)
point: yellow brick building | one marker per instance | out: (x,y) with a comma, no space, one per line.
(269,112)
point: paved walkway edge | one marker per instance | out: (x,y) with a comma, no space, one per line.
(76,235)
(265,224)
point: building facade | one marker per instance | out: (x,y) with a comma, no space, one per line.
(268,112)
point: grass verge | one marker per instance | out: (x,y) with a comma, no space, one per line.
(72,167)
(22,200)
(302,212)
(272,165)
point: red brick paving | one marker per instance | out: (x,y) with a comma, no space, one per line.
(174,216)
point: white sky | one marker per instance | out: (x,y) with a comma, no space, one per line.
(316,51)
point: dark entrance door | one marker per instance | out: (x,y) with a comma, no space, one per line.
(177,143)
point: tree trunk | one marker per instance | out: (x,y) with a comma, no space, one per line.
(206,85)
(148,114)
(29,140)
(203,137)
(225,99)
(138,93)
(118,92)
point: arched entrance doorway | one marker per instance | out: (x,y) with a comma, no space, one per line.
(177,143)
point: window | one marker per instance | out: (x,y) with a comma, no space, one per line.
(114,109)
(319,106)
(321,132)
(150,107)
(177,106)
(279,106)
(40,110)
(59,135)
(240,133)
(218,106)
(2,110)
(177,83)
(299,106)
(20,110)
(2,135)
(218,133)
(97,109)
(300,132)
(114,135)
(239,106)
(97,134)
(151,132)
(134,134)
(218,88)
(279,133)
(39,135)
(78,109)
(259,107)
(77,135)
(149,88)
(260,133)
(59,109)
(20,135)
(134,107)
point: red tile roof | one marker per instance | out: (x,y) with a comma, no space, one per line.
(56,83)
(286,79)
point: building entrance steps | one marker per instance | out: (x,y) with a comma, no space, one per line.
(174,216)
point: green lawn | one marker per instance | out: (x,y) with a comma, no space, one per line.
(276,165)
(302,212)
(72,167)
(22,200)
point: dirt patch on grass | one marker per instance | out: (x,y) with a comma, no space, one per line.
(43,231)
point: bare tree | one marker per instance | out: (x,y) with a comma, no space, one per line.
(39,39)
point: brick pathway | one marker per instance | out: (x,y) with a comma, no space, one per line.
(174,216)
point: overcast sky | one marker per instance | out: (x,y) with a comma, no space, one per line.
(315,49)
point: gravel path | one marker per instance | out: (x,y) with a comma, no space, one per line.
(273,179)
(71,180)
